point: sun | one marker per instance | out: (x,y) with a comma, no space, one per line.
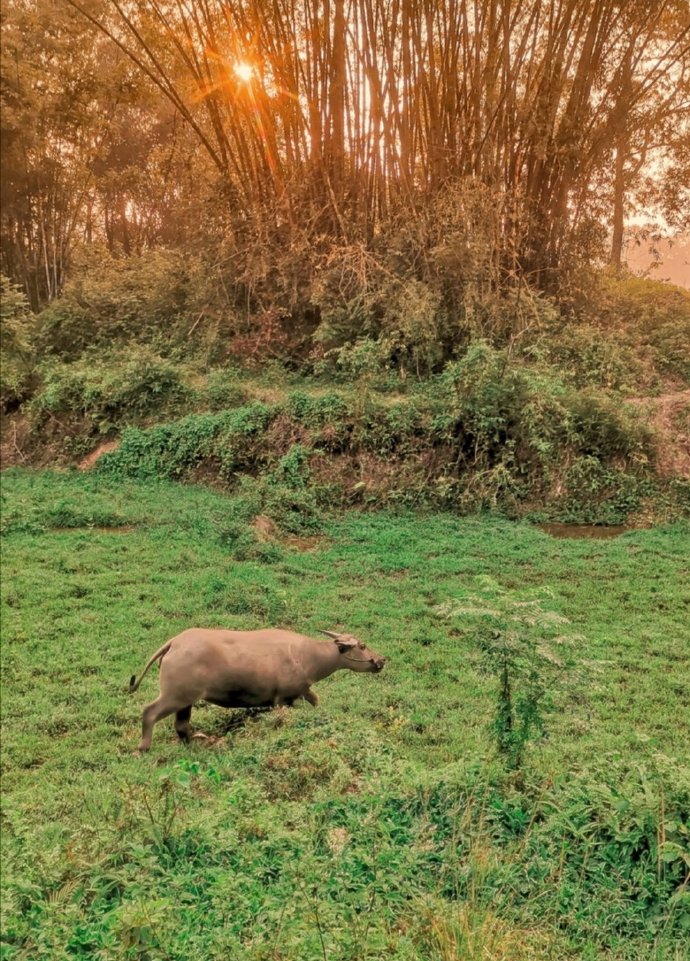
(243,71)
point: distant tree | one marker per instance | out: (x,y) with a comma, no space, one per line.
(650,121)
(88,154)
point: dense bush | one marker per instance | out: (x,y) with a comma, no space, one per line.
(498,412)
(516,408)
(625,300)
(223,389)
(111,388)
(671,345)
(17,354)
(147,298)
(590,357)
(361,359)
(600,494)
(171,450)
(649,314)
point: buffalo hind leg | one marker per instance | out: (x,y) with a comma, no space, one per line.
(182,723)
(153,712)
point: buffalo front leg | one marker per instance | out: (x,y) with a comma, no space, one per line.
(153,712)
(182,723)
(311,697)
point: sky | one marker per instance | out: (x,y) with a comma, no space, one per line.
(674,264)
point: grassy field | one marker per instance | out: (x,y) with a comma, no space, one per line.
(380,824)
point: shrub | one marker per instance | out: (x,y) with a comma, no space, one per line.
(418,291)
(587,357)
(604,428)
(318,411)
(671,345)
(223,389)
(401,429)
(517,431)
(295,510)
(108,299)
(238,446)
(362,359)
(329,418)
(498,412)
(627,300)
(17,353)
(596,494)
(651,314)
(111,388)
(292,470)
(174,449)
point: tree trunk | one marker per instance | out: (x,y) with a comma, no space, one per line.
(618,205)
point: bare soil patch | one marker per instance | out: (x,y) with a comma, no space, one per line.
(89,461)
(584,531)
(267,530)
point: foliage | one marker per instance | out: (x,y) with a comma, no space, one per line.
(332,411)
(597,494)
(111,388)
(223,389)
(365,359)
(590,357)
(513,422)
(376,313)
(648,314)
(527,654)
(625,300)
(91,155)
(377,823)
(488,432)
(671,345)
(169,450)
(17,356)
(108,299)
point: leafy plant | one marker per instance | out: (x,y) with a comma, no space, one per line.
(525,651)
(223,389)
(589,357)
(596,494)
(17,350)
(111,387)
(109,299)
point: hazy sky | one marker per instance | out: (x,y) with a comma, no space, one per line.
(674,264)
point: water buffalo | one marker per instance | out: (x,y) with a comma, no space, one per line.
(244,669)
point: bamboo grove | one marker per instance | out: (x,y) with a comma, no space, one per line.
(338,118)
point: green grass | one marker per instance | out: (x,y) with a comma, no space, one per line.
(379,825)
